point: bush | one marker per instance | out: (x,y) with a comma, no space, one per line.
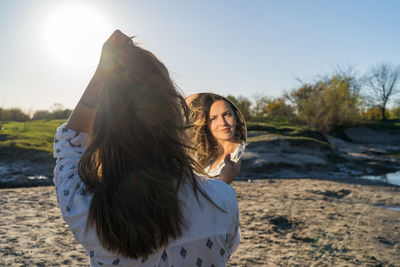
(277,109)
(395,113)
(13,114)
(327,105)
(41,115)
(55,115)
(372,113)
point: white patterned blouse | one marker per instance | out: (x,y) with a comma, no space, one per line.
(235,157)
(209,238)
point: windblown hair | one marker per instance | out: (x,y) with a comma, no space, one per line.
(205,146)
(137,158)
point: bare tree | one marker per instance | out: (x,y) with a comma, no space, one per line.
(383,83)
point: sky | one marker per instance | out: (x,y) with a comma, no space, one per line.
(50,49)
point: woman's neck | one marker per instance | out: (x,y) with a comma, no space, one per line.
(227,146)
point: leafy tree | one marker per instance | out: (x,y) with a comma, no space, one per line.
(303,97)
(41,115)
(326,104)
(47,115)
(57,111)
(61,114)
(395,111)
(2,115)
(13,114)
(260,102)
(243,104)
(278,109)
(372,113)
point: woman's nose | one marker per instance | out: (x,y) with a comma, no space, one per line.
(221,121)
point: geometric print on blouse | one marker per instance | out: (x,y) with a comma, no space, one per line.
(73,196)
(235,156)
(190,254)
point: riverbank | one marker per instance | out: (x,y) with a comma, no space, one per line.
(297,222)
(271,153)
(345,156)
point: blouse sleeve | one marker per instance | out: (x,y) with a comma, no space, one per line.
(72,196)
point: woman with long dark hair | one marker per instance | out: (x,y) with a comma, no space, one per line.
(218,135)
(124,178)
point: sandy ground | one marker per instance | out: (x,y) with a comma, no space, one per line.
(317,223)
(283,222)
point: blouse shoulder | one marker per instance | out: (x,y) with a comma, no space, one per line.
(68,139)
(222,194)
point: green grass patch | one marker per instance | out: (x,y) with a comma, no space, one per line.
(255,125)
(264,137)
(30,136)
(281,127)
(255,129)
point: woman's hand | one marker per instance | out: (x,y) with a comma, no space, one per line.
(230,170)
(112,52)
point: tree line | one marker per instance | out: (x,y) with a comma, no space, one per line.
(337,100)
(57,111)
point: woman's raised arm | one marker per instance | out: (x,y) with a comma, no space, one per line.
(82,116)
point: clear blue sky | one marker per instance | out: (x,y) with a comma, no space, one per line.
(226,47)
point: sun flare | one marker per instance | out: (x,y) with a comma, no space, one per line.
(73,35)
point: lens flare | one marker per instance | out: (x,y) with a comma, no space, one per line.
(73,35)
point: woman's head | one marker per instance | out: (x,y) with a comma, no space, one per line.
(221,121)
(139,91)
(137,156)
(215,120)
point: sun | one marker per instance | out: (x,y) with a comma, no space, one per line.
(73,35)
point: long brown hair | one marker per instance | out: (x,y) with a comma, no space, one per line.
(137,158)
(205,145)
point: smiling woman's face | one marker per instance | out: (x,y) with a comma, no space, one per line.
(222,121)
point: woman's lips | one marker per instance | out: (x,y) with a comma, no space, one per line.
(225,130)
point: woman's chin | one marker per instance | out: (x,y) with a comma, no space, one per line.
(226,137)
